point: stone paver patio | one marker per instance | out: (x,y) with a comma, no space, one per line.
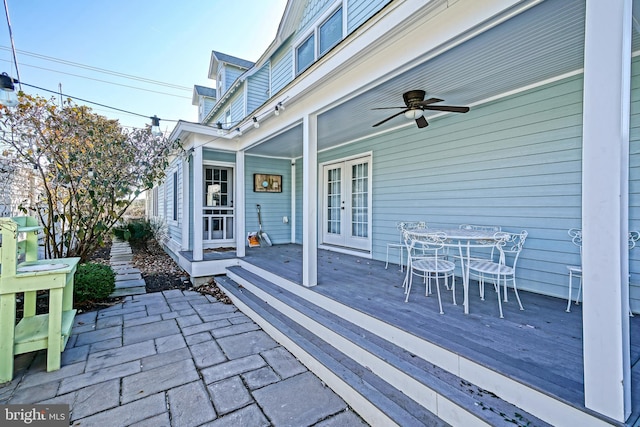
(176,358)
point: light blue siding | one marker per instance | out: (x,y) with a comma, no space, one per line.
(281,68)
(258,88)
(174,229)
(219,156)
(358,11)
(237,109)
(274,206)
(231,74)
(236,105)
(208,104)
(312,12)
(634,182)
(515,162)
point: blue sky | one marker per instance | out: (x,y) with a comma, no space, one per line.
(159,40)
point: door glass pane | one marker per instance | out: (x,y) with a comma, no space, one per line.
(205,228)
(217,187)
(334,200)
(359,200)
(229,228)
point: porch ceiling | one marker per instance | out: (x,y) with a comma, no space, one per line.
(544,42)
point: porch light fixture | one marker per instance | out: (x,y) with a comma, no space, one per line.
(155,126)
(414,113)
(219,126)
(255,122)
(8,95)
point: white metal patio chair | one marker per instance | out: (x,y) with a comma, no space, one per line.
(425,260)
(508,245)
(576,270)
(401,226)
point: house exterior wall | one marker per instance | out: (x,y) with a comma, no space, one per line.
(206,104)
(313,10)
(258,88)
(274,206)
(281,68)
(634,182)
(517,164)
(237,109)
(358,11)
(231,73)
(174,229)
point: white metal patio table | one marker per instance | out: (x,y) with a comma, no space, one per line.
(465,240)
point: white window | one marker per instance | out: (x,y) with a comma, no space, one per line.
(305,54)
(329,33)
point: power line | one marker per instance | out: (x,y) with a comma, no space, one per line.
(13,46)
(100,70)
(99,80)
(95,103)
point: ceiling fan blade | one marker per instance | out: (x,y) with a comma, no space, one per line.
(387,108)
(449,108)
(430,101)
(389,118)
(422,122)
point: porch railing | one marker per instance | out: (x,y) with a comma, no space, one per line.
(217,225)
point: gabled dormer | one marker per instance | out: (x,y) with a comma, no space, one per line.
(225,69)
(205,99)
(309,30)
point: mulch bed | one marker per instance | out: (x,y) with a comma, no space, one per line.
(159,271)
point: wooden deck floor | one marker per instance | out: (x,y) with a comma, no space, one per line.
(540,346)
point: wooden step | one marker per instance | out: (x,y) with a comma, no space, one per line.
(409,390)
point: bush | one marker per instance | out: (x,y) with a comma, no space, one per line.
(137,231)
(93,281)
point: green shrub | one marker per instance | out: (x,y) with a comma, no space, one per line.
(137,231)
(92,282)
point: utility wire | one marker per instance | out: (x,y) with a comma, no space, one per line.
(102,81)
(95,103)
(101,70)
(13,46)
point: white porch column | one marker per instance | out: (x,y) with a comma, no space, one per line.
(607,63)
(310,200)
(198,193)
(239,205)
(184,220)
(292,219)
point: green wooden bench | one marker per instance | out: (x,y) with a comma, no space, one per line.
(21,272)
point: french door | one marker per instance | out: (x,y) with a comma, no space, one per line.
(346,203)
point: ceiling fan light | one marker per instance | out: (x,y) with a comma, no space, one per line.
(413,114)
